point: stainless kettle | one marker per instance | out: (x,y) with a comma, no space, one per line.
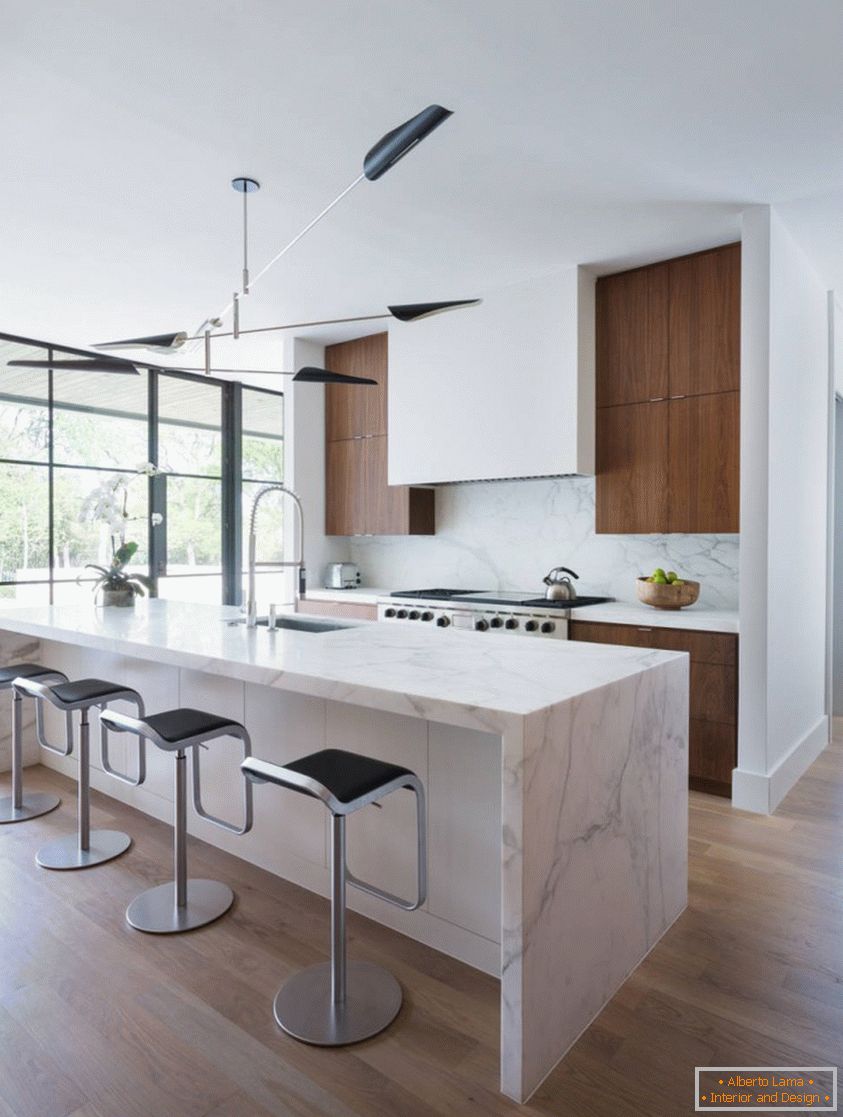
(559,585)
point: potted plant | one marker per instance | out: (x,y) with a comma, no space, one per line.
(116,584)
(108,504)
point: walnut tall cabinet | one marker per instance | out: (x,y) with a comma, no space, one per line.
(668,396)
(358,498)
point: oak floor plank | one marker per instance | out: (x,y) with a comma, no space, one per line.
(98,1020)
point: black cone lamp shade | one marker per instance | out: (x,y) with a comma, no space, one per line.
(82,364)
(310,375)
(157,341)
(410,312)
(395,144)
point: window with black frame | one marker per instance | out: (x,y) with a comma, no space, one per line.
(83,453)
(263,464)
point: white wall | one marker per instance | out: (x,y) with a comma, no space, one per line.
(304,458)
(508,534)
(784,490)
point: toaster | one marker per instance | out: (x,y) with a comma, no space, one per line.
(342,576)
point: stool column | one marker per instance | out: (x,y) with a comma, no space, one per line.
(17,751)
(338,946)
(180,827)
(84,787)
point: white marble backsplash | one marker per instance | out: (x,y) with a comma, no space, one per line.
(508,534)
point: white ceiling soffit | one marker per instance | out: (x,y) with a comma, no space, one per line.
(605,133)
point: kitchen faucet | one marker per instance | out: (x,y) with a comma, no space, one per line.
(298,562)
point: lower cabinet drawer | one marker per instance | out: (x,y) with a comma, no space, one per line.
(713,753)
(714,692)
(349,610)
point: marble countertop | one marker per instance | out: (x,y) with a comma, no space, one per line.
(360,595)
(695,617)
(459,677)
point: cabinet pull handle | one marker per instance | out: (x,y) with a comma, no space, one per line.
(657,399)
(677,397)
(645,630)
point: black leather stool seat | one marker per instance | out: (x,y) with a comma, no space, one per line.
(86,690)
(347,775)
(22,671)
(179,725)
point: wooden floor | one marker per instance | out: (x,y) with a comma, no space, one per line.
(97,1020)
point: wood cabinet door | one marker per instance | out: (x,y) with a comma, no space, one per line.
(632,315)
(357,410)
(386,506)
(345,487)
(712,754)
(705,463)
(705,322)
(632,468)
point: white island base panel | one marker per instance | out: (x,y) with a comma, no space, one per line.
(558,837)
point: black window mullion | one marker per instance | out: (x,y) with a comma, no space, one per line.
(232,469)
(51,533)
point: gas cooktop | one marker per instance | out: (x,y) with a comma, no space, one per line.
(497,597)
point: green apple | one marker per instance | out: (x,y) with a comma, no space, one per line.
(672,576)
(660,579)
(659,572)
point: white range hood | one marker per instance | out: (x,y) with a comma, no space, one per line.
(501,390)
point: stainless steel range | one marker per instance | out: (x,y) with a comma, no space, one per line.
(504,612)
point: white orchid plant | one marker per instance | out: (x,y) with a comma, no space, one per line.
(108,503)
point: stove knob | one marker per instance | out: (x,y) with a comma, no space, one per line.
(511,623)
(427,616)
(531,626)
(443,622)
(401,614)
(414,614)
(481,626)
(548,626)
(389,612)
(496,622)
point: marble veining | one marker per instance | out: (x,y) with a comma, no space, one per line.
(508,534)
(594,763)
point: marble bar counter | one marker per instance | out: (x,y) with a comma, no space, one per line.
(699,618)
(556,777)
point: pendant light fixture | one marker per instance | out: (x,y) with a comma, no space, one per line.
(380,158)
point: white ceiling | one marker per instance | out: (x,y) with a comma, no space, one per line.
(605,133)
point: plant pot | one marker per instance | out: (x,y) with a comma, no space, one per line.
(124,598)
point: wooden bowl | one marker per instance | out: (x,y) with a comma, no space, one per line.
(667,596)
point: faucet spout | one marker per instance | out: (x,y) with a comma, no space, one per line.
(297,562)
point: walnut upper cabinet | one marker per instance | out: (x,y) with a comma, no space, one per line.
(357,410)
(668,396)
(358,500)
(632,336)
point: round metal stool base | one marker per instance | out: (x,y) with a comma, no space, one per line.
(303,1006)
(38,803)
(155,910)
(65,853)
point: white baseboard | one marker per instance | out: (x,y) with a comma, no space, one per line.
(762,793)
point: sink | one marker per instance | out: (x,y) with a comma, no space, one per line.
(301,624)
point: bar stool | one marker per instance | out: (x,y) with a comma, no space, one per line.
(18,807)
(87,847)
(336,1003)
(184,904)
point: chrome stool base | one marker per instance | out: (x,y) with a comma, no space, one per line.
(64,853)
(32,805)
(157,912)
(305,1010)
